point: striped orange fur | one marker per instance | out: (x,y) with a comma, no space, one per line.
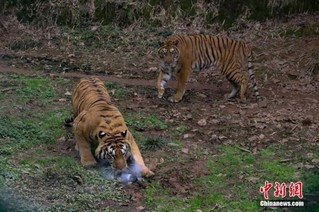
(181,54)
(99,123)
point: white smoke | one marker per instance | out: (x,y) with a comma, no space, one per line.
(126,176)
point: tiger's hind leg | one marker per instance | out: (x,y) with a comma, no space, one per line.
(243,87)
(240,82)
(235,90)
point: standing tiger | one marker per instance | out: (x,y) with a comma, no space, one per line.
(98,122)
(180,54)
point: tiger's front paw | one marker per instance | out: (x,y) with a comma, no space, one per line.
(243,100)
(87,162)
(160,93)
(175,98)
(147,173)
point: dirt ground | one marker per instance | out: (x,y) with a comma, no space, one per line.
(287,72)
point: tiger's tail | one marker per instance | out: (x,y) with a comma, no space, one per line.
(252,76)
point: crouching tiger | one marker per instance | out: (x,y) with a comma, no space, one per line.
(98,122)
(180,54)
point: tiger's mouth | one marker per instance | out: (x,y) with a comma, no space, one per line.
(129,174)
(117,156)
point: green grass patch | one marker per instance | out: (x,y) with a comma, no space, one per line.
(234,182)
(142,121)
(153,143)
(40,87)
(180,130)
(24,133)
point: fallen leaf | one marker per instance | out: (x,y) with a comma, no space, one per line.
(310,155)
(61,139)
(202,122)
(140,208)
(152,69)
(185,150)
(62,100)
(252,179)
(315,161)
(202,95)
(222,137)
(161,160)
(306,122)
(261,136)
(253,138)
(188,136)
(308,166)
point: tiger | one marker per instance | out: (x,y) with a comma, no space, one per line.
(97,122)
(180,54)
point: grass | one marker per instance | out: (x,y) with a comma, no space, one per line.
(233,183)
(145,121)
(34,87)
(118,91)
(301,31)
(153,143)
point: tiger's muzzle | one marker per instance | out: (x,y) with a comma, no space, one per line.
(117,155)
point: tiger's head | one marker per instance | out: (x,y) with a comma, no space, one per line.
(169,55)
(114,148)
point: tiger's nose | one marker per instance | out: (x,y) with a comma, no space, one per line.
(119,164)
(119,160)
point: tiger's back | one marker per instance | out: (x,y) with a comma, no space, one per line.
(180,54)
(207,50)
(89,93)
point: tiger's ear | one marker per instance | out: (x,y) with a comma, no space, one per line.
(161,43)
(102,134)
(124,133)
(175,42)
